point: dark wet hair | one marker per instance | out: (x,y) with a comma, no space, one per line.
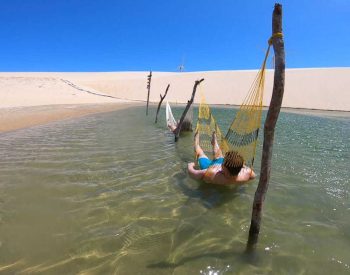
(233,162)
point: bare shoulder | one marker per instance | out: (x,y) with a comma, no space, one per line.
(245,174)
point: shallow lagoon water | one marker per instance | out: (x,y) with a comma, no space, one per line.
(109,193)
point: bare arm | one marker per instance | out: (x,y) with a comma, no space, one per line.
(172,127)
(245,174)
(195,174)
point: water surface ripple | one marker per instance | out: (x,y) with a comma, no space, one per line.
(109,193)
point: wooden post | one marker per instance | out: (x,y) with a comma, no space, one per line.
(178,128)
(149,77)
(160,102)
(269,128)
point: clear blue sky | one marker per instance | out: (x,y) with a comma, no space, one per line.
(138,35)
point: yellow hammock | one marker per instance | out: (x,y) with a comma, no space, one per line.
(242,135)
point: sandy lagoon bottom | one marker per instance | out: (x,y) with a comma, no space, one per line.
(109,193)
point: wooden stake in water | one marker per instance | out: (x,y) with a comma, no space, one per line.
(160,102)
(269,128)
(189,103)
(149,78)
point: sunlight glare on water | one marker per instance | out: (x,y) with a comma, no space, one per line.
(109,193)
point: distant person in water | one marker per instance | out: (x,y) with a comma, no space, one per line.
(185,126)
(220,170)
(172,127)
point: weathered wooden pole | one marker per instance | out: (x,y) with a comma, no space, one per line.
(189,103)
(149,78)
(269,128)
(160,102)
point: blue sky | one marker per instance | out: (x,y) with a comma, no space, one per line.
(115,35)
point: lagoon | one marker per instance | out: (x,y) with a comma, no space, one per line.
(109,193)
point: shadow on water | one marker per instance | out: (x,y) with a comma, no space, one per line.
(253,258)
(210,195)
(110,193)
(207,196)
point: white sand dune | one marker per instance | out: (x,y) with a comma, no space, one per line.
(322,89)
(29,100)
(20,91)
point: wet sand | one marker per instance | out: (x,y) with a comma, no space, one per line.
(20,117)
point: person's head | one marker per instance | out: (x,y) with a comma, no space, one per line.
(233,163)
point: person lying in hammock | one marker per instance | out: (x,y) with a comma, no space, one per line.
(172,127)
(186,126)
(220,170)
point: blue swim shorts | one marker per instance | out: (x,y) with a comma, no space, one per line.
(204,162)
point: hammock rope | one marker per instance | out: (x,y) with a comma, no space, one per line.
(242,135)
(187,123)
(170,120)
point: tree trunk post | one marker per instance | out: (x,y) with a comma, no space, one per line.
(269,127)
(189,103)
(160,102)
(149,78)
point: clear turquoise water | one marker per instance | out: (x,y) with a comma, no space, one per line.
(109,193)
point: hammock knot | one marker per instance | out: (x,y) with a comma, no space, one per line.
(277,34)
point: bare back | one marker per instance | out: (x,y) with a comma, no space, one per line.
(216,175)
